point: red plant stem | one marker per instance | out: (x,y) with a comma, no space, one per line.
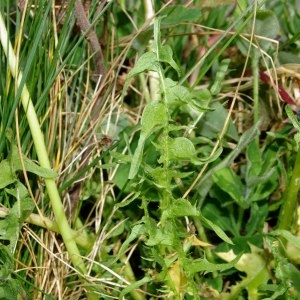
(282,92)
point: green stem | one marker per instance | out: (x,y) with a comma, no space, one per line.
(289,204)
(40,147)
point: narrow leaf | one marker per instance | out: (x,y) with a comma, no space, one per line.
(134,286)
(203,265)
(219,232)
(154,115)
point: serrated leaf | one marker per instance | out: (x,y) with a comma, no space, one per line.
(180,208)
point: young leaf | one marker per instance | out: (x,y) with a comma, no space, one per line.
(180,208)
(166,55)
(154,115)
(147,62)
(181,148)
(136,231)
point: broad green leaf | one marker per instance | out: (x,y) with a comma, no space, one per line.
(230,183)
(163,53)
(216,3)
(147,62)
(22,208)
(10,288)
(25,203)
(181,148)
(176,94)
(244,140)
(219,232)
(257,218)
(180,208)
(266,29)
(288,58)
(154,115)
(166,55)
(203,265)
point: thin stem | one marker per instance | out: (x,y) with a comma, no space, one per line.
(289,204)
(40,147)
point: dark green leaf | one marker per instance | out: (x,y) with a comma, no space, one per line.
(230,183)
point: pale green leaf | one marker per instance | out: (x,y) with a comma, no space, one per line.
(254,265)
(181,148)
(288,236)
